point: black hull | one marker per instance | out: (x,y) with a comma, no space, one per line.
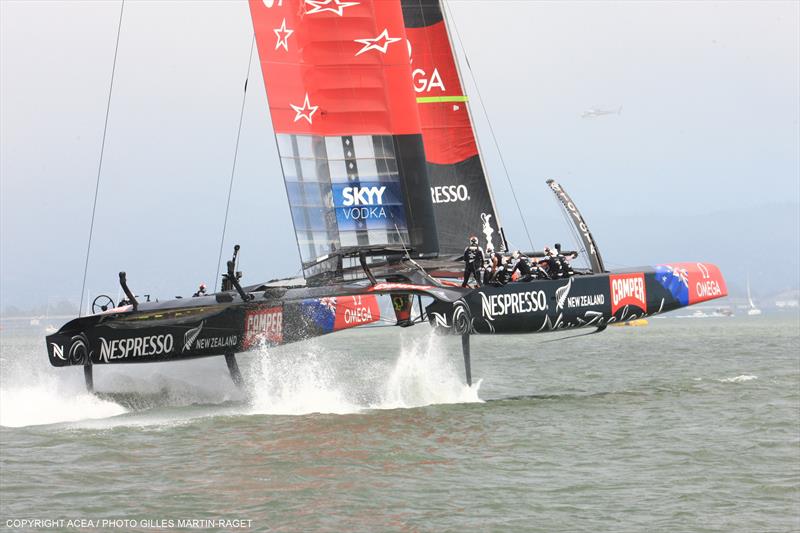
(223,323)
(226,324)
(582,301)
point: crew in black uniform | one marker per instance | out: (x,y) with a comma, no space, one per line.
(538,272)
(504,273)
(473,261)
(488,264)
(564,267)
(522,266)
(553,264)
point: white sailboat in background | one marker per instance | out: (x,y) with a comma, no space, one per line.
(753,311)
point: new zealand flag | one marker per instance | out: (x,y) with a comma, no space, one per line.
(675,280)
(322,311)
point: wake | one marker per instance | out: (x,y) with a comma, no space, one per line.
(300,379)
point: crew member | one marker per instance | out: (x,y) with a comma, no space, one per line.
(201,291)
(504,273)
(473,261)
(522,266)
(497,260)
(553,264)
(488,264)
(564,267)
(537,272)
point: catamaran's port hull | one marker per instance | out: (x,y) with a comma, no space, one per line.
(594,300)
(224,323)
(204,330)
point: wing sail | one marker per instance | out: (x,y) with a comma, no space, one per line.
(343,109)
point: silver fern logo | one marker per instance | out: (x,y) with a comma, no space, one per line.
(562,293)
(190,336)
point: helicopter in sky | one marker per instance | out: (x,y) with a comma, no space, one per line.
(597,112)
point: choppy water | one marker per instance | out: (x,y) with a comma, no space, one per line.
(683,425)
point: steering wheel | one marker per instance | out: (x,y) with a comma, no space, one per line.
(102,303)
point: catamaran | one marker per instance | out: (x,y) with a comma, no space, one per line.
(385,183)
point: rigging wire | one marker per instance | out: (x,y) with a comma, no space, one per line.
(100,163)
(235,156)
(489,122)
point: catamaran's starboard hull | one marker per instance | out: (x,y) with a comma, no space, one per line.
(594,300)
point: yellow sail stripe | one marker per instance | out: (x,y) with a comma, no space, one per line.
(438,99)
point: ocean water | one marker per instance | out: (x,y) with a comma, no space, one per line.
(682,425)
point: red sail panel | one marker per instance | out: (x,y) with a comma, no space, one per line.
(462,200)
(335,67)
(446,127)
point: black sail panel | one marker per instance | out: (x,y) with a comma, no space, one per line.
(462,204)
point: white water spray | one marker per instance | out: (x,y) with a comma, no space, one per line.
(293,383)
(426,374)
(308,379)
(49,400)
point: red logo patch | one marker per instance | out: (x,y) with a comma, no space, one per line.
(263,325)
(352,311)
(628,289)
(705,281)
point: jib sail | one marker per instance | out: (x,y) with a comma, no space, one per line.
(344,112)
(459,189)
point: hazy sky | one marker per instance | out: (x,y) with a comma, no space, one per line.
(710,94)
